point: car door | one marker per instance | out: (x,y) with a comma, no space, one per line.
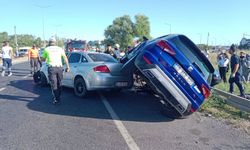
(68,77)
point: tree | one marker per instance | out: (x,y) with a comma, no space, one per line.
(142,26)
(3,36)
(123,30)
(120,32)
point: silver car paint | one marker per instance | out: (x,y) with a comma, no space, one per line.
(93,80)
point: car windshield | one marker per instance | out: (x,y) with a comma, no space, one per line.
(97,57)
(192,55)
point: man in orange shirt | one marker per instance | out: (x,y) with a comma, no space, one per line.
(33,58)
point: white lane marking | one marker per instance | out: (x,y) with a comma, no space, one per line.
(124,132)
(26,76)
(1,89)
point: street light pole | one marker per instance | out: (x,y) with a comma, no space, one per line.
(43,8)
(16,38)
(56,36)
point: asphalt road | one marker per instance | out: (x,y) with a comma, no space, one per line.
(105,121)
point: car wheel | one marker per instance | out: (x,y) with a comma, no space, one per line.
(40,78)
(37,77)
(80,88)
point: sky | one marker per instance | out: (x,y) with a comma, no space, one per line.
(225,20)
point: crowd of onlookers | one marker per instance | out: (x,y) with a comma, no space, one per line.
(223,62)
(239,67)
(116,52)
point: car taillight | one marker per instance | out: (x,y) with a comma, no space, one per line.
(102,69)
(165,47)
(205,91)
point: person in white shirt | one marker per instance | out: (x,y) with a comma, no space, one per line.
(223,62)
(7,53)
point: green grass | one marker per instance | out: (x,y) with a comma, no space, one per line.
(217,106)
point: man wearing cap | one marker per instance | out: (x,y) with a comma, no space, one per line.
(33,58)
(235,72)
(53,56)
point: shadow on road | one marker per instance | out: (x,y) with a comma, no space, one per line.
(129,106)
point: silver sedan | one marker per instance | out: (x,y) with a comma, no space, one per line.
(89,71)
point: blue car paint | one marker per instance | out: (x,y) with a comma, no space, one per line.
(162,59)
(169,72)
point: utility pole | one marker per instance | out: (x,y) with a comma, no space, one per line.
(56,36)
(207,38)
(15,38)
(43,11)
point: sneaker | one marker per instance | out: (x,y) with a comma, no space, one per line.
(3,73)
(56,102)
(10,74)
(243,95)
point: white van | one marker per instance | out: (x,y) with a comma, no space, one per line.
(23,51)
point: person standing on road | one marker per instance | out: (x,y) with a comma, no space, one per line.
(40,51)
(110,51)
(33,58)
(53,56)
(117,51)
(7,53)
(236,75)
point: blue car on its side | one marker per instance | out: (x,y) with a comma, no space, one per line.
(177,70)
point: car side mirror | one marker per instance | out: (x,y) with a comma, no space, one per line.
(216,79)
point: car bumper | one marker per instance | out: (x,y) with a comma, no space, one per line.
(107,81)
(171,93)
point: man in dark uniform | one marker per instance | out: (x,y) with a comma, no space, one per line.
(53,56)
(236,74)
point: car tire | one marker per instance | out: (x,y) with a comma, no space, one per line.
(40,79)
(80,88)
(37,77)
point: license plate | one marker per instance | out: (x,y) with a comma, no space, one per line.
(121,84)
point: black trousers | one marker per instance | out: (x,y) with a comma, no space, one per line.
(237,80)
(223,72)
(55,75)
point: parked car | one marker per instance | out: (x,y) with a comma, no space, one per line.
(176,69)
(23,51)
(89,71)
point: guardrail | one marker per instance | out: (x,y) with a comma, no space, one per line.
(234,100)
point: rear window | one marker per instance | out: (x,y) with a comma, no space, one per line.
(23,50)
(194,55)
(101,57)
